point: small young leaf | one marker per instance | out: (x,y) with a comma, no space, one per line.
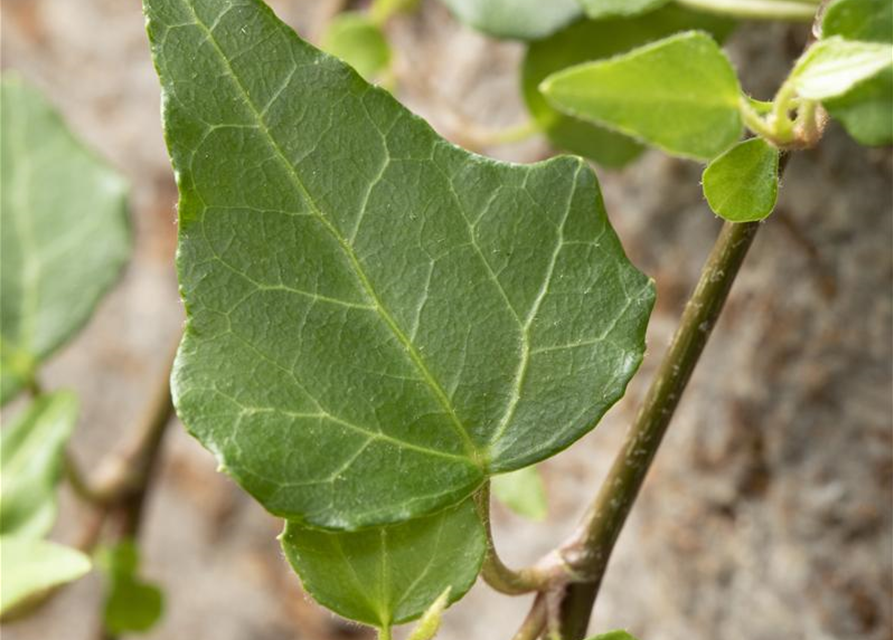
(523,492)
(679,94)
(429,623)
(65,233)
(613,635)
(31,459)
(865,110)
(588,40)
(741,185)
(833,66)
(377,320)
(517,19)
(390,575)
(358,41)
(132,605)
(866,20)
(602,8)
(31,567)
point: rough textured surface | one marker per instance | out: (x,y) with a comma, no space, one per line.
(768,513)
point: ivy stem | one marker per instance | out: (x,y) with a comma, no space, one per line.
(535,622)
(791,10)
(589,550)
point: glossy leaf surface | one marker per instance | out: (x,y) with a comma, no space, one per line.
(741,185)
(865,110)
(517,19)
(588,40)
(359,42)
(523,492)
(602,8)
(393,574)
(31,567)
(65,233)
(377,320)
(680,94)
(31,464)
(833,66)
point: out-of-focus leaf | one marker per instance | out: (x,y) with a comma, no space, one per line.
(390,575)
(358,41)
(680,94)
(65,233)
(517,19)
(588,40)
(30,567)
(834,65)
(602,8)
(866,20)
(132,605)
(377,320)
(523,492)
(613,635)
(741,185)
(31,463)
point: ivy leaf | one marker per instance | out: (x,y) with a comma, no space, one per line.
(833,66)
(132,605)
(613,635)
(32,567)
(600,8)
(377,320)
(588,40)
(679,94)
(741,185)
(31,459)
(393,574)
(517,19)
(523,492)
(865,109)
(358,41)
(65,238)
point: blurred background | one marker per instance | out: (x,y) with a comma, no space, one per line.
(767,515)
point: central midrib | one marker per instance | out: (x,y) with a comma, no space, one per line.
(471,450)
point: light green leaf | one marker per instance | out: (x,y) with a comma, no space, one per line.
(866,110)
(866,20)
(679,94)
(588,40)
(602,8)
(32,567)
(377,320)
(359,42)
(31,458)
(132,605)
(518,19)
(429,623)
(613,635)
(382,10)
(65,233)
(741,185)
(833,66)
(523,492)
(390,575)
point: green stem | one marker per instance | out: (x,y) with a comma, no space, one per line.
(791,10)
(590,550)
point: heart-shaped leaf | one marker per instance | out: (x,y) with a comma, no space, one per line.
(132,604)
(377,319)
(390,575)
(518,19)
(31,459)
(741,185)
(680,94)
(65,233)
(587,40)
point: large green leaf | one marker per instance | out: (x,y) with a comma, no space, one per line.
(519,19)
(31,459)
(680,94)
(131,604)
(377,320)
(390,575)
(65,233)
(833,66)
(588,40)
(31,567)
(866,110)
(601,8)
(741,185)
(360,42)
